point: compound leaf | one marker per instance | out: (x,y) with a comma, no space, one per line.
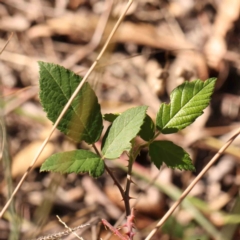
(187,103)
(77,161)
(83,119)
(124,128)
(169,153)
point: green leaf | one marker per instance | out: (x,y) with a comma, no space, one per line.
(110,117)
(77,161)
(148,129)
(106,135)
(187,103)
(122,131)
(169,153)
(83,119)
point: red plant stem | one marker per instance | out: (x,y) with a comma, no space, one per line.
(130,224)
(114,230)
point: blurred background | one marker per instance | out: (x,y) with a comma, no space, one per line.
(159,45)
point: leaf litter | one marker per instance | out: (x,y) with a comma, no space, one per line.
(155,49)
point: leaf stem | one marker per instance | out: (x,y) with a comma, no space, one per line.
(96,150)
(132,158)
(110,173)
(156,135)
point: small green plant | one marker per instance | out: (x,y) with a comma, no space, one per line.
(83,121)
